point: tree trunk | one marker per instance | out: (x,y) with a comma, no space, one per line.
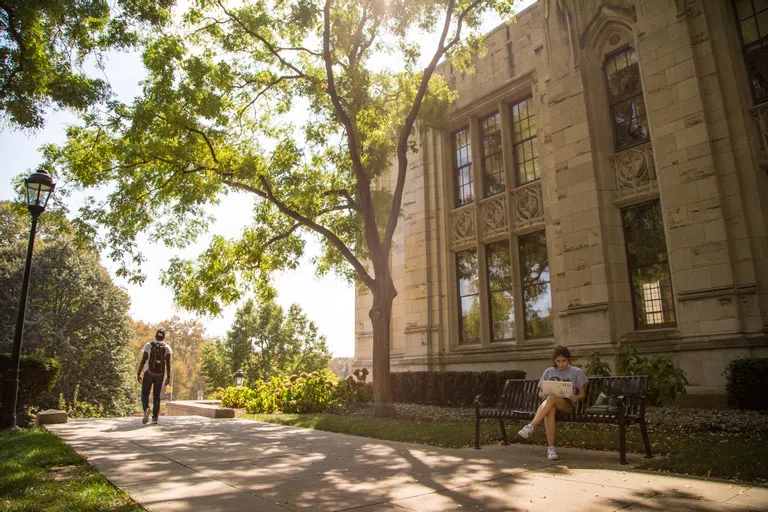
(381,315)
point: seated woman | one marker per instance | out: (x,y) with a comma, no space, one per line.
(561,370)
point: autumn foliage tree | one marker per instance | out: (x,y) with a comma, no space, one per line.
(287,101)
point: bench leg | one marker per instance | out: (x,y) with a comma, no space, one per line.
(646,441)
(477,432)
(622,441)
(503,431)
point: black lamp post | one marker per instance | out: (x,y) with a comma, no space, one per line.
(39,188)
(239,378)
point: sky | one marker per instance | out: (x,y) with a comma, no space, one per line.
(328,301)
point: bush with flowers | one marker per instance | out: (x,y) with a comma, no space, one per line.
(299,393)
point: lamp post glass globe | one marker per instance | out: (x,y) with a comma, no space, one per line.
(39,186)
(239,378)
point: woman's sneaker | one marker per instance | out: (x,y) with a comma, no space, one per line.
(147,412)
(551,453)
(526,431)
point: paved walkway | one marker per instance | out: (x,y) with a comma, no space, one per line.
(195,463)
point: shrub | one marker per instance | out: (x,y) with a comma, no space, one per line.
(450,388)
(742,383)
(77,408)
(665,381)
(236,396)
(37,375)
(594,366)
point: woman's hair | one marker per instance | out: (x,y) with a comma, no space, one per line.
(561,351)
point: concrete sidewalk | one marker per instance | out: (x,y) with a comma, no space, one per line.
(195,463)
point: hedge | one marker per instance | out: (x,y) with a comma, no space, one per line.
(450,388)
(37,375)
(744,383)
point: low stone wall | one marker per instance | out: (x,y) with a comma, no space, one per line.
(207,408)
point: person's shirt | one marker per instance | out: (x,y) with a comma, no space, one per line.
(572,374)
(148,347)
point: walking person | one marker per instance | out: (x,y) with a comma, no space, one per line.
(155,364)
(561,370)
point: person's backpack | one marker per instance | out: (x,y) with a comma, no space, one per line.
(157,357)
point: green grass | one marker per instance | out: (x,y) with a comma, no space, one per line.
(28,483)
(714,455)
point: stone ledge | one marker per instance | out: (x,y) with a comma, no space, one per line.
(206,408)
(51,417)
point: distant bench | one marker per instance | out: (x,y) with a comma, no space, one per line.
(207,408)
(520,400)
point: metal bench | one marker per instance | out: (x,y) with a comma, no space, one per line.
(520,400)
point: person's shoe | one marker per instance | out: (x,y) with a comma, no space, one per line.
(526,431)
(154,421)
(147,412)
(551,453)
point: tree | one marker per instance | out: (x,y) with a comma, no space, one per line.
(283,101)
(265,342)
(44,44)
(340,366)
(75,314)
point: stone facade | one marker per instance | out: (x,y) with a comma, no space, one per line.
(703,162)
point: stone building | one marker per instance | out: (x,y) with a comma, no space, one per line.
(603,180)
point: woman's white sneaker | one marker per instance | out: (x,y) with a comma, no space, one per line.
(551,453)
(526,431)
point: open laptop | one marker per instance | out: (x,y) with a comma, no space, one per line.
(558,388)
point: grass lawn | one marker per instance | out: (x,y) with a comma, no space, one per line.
(40,472)
(703,454)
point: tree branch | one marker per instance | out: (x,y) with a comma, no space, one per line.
(301,219)
(363,182)
(402,145)
(345,194)
(18,68)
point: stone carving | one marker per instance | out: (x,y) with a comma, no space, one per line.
(463,226)
(529,205)
(494,214)
(634,171)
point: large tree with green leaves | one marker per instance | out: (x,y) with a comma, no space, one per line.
(45,43)
(265,341)
(75,313)
(288,101)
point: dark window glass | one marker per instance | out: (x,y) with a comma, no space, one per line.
(500,291)
(469,296)
(753,24)
(526,151)
(630,123)
(648,266)
(464,185)
(534,275)
(493,167)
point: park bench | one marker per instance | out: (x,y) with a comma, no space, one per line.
(520,400)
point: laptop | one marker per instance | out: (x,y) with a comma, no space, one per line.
(558,388)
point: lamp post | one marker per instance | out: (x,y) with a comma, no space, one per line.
(39,185)
(239,378)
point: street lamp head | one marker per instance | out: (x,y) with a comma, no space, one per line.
(40,185)
(239,378)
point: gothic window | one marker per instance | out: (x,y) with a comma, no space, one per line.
(526,151)
(501,296)
(493,167)
(625,95)
(534,276)
(463,168)
(469,296)
(753,24)
(649,275)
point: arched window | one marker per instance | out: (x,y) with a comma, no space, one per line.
(625,97)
